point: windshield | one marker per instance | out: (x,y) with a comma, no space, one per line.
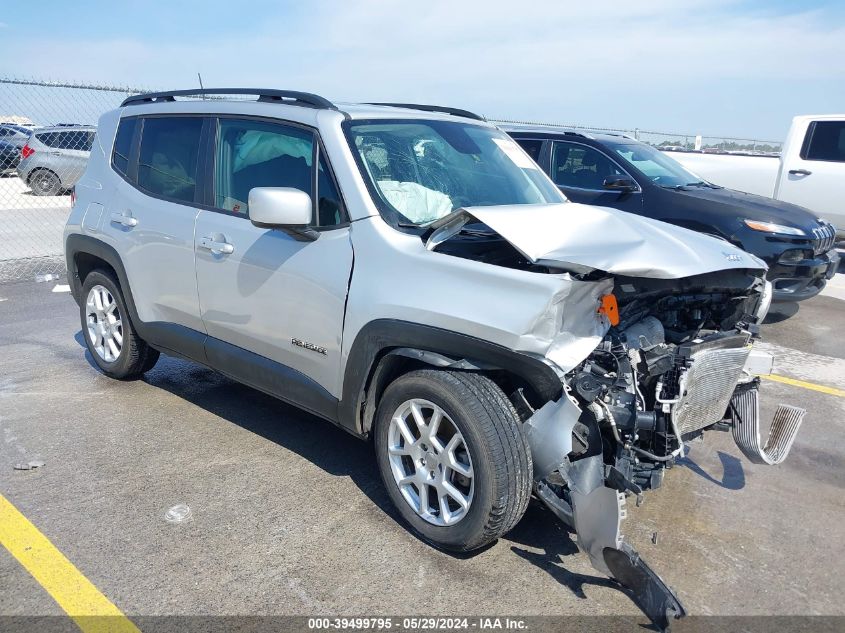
(424,170)
(660,168)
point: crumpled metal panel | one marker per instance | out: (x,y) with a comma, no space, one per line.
(544,315)
(611,240)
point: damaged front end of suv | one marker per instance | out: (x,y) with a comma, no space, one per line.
(651,334)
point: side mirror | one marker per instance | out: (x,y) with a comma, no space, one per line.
(279,207)
(282,208)
(619,183)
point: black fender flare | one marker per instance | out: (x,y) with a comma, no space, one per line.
(77,244)
(382,341)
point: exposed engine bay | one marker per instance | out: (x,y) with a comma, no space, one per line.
(676,362)
(651,329)
(666,371)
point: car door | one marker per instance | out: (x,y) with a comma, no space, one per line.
(814,176)
(267,294)
(580,170)
(150,217)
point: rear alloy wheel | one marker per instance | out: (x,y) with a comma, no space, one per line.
(115,346)
(45,183)
(105,328)
(451,453)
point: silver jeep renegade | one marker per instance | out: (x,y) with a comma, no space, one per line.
(408,273)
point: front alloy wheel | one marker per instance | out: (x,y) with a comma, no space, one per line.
(452,456)
(430,462)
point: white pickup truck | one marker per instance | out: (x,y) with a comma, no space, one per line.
(810,171)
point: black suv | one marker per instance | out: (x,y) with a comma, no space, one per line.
(616,171)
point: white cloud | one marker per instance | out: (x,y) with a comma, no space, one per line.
(644,63)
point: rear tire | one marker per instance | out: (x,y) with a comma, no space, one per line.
(486,476)
(44,182)
(109,335)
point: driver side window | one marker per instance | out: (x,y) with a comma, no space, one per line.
(581,167)
(253,153)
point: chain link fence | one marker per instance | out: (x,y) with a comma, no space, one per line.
(46,132)
(678,142)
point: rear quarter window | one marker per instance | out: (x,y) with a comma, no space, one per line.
(123,145)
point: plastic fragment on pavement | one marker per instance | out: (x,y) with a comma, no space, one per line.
(178,514)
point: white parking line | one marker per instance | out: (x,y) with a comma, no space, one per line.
(61,288)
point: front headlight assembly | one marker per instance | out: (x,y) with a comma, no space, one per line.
(765,302)
(771,227)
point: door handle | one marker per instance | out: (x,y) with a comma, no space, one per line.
(216,247)
(125,220)
(800,172)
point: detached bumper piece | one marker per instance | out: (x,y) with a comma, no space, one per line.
(596,511)
(745,415)
(652,595)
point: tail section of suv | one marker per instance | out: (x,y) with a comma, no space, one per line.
(411,275)
(54,158)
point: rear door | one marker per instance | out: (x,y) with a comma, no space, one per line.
(150,218)
(580,170)
(266,293)
(814,176)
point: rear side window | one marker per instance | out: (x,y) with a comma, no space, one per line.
(123,145)
(825,141)
(81,140)
(168,157)
(50,139)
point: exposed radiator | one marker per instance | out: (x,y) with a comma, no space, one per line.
(707,385)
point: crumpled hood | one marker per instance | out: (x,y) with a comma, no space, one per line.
(607,239)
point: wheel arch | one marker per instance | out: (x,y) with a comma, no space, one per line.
(385,349)
(83,254)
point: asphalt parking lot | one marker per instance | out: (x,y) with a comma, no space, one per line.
(289,515)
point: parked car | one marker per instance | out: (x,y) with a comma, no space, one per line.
(620,172)
(810,170)
(53,158)
(409,274)
(12,138)
(10,156)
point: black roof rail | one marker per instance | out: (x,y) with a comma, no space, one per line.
(289,97)
(434,108)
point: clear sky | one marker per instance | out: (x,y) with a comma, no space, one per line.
(717,67)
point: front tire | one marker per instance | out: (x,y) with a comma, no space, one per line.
(112,341)
(453,458)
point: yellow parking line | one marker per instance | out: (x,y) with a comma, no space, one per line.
(831,391)
(81,600)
